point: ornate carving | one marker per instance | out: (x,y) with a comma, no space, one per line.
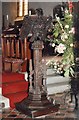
(37,98)
(36,26)
(37,45)
(37,52)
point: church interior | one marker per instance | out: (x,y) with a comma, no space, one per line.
(39,60)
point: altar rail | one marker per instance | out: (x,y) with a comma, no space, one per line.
(15,53)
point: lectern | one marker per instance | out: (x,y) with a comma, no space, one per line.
(37,103)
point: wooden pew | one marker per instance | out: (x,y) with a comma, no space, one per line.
(15,54)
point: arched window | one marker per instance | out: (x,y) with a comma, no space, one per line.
(22,8)
(25,7)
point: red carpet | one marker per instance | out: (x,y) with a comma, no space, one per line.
(11,77)
(14,87)
(16,97)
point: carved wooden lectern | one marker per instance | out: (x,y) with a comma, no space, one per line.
(37,103)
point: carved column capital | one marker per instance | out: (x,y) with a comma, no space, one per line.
(37,45)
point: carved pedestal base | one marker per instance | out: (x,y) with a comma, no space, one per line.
(36,105)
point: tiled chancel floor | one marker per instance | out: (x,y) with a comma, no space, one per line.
(65,112)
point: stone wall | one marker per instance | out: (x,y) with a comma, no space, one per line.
(0,17)
(46,6)
(10,9)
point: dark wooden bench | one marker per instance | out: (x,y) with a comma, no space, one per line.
(15,53)
(12,61)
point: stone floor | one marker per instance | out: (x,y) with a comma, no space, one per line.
(66,109)
(65,112)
